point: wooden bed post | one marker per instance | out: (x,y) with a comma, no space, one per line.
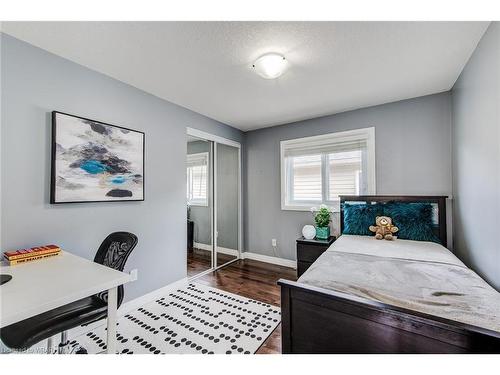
(286,329)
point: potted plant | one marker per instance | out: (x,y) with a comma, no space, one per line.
(322,219)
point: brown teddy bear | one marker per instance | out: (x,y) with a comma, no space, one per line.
(383,228)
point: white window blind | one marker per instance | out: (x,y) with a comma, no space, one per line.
(345,172)
(197,179)
(306,180)
(318,169)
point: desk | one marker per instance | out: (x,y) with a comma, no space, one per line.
(53,282)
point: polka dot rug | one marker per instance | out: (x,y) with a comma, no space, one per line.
(194,319)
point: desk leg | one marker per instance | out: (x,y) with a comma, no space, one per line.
(112,311)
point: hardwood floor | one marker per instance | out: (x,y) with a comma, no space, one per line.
(256,280)
(199,260)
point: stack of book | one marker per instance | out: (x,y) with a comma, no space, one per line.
(28,255)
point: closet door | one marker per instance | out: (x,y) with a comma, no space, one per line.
(200,212)
(227,193)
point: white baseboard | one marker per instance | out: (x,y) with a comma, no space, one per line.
(227,251)
(222,250)
(268,259)
(249,255)
(202,246)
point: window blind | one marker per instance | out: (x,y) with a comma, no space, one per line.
(345,173)
(325,145)
(306,183)
(200,159)
(320,168)
(199,182)
(197,178)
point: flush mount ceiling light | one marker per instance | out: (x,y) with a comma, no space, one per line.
(270,66)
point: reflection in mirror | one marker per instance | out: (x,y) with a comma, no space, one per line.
(199,206)
(227,203)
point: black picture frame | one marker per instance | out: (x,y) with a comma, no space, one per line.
(53,177)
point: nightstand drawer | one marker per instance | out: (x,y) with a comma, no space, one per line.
(310,250)
(309,253)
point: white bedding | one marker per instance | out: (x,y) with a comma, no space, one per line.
(420,276)
(402,249)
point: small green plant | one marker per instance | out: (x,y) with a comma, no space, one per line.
(321,216)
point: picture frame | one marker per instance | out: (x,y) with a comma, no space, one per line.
(93,161)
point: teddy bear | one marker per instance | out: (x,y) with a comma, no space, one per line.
(383,228)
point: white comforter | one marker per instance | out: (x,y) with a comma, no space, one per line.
(420,276)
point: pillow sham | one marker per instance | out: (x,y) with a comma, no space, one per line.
(359,217)
(414,220)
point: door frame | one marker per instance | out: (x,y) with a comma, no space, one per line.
(218,139)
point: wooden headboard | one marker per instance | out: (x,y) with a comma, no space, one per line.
(440,201)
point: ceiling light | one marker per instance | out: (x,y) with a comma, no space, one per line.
(270,66)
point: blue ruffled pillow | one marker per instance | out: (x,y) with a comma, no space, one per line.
(414,220)
(359,217)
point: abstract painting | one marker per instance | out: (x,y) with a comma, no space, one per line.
(95,162)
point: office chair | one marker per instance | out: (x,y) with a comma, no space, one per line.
(113,252)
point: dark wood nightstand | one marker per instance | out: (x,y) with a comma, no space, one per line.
(309,250)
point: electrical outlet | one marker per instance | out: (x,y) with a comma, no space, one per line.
(273,242)
(134,273)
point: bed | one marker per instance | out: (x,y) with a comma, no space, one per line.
(369,296)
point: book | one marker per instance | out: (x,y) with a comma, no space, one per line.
(34,251)
(32,258)
(32,254)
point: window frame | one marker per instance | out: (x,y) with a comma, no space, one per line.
(199,202)
(286,176)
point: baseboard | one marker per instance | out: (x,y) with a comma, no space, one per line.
(227,251)
(202,246)
(222,250)
(269,259)
(249,255)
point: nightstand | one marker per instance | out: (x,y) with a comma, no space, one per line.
(309,250)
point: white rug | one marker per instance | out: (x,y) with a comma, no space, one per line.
(193,319)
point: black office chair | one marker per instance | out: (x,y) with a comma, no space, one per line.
(113,253)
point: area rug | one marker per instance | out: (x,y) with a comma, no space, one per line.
(195,319)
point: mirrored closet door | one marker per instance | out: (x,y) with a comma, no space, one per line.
(213,180)
(227,203)
(200,214)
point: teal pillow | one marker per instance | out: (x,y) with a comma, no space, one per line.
(414,220)
(359,217)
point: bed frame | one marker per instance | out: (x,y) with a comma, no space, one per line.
(316,320)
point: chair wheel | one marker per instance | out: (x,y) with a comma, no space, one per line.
(81,350)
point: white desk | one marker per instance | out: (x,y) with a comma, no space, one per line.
(53,282)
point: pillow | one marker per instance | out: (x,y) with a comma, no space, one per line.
(414,220)
(359,217)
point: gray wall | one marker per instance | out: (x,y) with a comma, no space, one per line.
(413,156)
(35,82)
(201,215)
(476,158)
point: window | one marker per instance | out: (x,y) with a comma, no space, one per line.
(316,170)
(197,179)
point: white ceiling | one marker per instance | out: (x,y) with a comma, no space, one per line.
(206,66)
